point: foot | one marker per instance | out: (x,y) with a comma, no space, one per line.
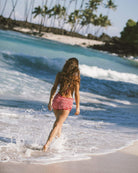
(45,148)
(58,135)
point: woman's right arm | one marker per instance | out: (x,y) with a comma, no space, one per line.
(77,99)
(52,93)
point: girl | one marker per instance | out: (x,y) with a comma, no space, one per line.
(69,81)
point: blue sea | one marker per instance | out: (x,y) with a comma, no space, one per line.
(108,120)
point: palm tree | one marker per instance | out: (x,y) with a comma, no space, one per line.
(73,18)
(55,11)
(25,11)
(81,11)
(77,15)
(82,3)
(62,16)
(46,12)
(32,7)
(82,17)
(110,5)
(90,17)
(39,11)
(75,4)
(4,6)
(51,11)
(65,7)
(104,22)
(14,5)
(70,2)
(93,4)
(87,18)
(101,21)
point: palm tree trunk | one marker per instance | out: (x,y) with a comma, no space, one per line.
(69,5)
(87,28)
(82,3)
(28,7)
(32,8)
(41,21)
(28,10)
(80,28)
(45,14)
(0,5)
(97,31)
(14,5)
(64,16)
(40,28)
(77,23)
(25,11)
(4,7)
(50,6)
(14,11)
(54,21)
(72,28)
(75,4)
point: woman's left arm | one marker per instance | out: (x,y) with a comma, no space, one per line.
(53,90)
(77,99)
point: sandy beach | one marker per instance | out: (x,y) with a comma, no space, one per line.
(122,161)
(62,38)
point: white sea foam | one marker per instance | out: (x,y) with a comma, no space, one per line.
(99,73)
(106,123)
(132,58)
(15,83)
(22,138)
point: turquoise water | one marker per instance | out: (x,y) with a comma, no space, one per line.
(109,98)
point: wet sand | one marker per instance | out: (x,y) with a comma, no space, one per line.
(122,161)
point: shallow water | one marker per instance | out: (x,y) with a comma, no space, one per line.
(108,92)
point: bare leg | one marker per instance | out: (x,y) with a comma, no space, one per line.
(59,130)
(61,116)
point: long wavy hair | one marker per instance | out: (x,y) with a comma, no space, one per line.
(69,76)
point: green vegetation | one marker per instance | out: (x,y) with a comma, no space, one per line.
(82,16)
(59,13)
(130,33)
(126,45)
(78,16)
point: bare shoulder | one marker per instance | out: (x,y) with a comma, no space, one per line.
(58,75)
(57,80)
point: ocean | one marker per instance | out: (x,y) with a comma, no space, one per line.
(108,120)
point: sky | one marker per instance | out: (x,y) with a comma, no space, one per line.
(126,9)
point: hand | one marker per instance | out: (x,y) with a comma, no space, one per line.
(77,111)
(49,106)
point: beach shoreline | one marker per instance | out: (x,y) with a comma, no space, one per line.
(107,47)
(104,43)
(124,160)
(83,42)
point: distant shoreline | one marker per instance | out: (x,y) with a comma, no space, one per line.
(104,43)
(61,38)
